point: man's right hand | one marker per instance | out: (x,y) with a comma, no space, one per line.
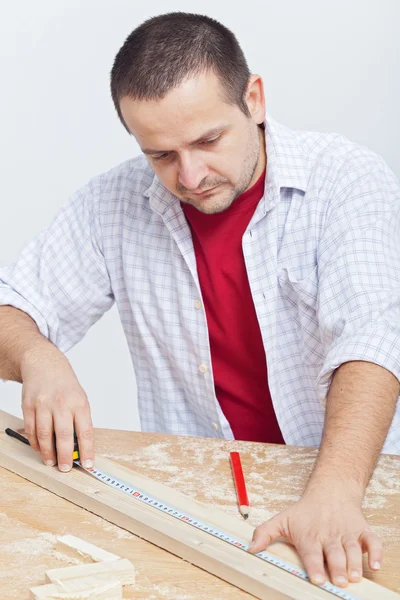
(53,402)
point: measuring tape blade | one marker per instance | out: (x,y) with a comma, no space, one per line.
(162,506)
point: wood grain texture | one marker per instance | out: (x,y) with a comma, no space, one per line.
(238,567)
(122,569)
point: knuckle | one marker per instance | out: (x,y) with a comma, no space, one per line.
(42,400)
(333,547)
(311,556)
(43,434)
(81,406)
(369,532)
(82,397)
(64,433)
(87,435)
(265,530)
(351,544)
(372,539)
(27,404)
(60,400)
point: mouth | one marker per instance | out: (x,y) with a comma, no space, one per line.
(206,192)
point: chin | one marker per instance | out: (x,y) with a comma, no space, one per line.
(209,207)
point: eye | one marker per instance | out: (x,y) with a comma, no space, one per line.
(209,142)
(161,157)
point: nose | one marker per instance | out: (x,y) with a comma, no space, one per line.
(191,172)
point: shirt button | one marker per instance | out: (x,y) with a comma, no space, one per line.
(216,426)
(203,368)
(197,304)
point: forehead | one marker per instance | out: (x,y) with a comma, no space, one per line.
(186,112)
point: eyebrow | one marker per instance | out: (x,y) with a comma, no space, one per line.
(207,134)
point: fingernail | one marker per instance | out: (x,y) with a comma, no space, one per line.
(355,574)
(50,463)
(65,468)
(376,565)
(88,464)
(318,579)
(341,580)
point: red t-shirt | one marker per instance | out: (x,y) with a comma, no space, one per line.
(237,351)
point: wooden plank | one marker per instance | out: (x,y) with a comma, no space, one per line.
(122,569)
(97,587)
(77,548)
(247,572)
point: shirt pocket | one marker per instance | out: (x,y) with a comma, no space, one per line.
(299,289)
(299,314)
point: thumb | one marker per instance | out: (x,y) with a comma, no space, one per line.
(265,534)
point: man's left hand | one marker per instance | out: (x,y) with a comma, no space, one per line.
(324,526)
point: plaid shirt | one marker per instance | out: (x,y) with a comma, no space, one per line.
(322,253)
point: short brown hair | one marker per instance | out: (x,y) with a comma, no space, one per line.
(164,50)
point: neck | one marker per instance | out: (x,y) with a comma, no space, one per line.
(262,159)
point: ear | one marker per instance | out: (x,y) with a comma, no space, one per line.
(255,98)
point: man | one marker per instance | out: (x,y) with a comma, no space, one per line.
(233,244)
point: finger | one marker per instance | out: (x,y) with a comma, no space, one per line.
(45,435)
(30,426)
(312,555)
(85,435)
(353,553)
(336,562)
(371,543)
(265,534)
(64,430)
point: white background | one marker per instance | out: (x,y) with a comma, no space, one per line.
(327,66)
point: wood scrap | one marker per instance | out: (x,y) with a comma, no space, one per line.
(76,548)
(122,569)
(97,587)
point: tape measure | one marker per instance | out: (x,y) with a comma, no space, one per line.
(160,505)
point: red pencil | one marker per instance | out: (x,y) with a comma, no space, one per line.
(240,484)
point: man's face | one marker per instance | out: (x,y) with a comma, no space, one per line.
(194,141)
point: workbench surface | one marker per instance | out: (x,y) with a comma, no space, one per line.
(31,517)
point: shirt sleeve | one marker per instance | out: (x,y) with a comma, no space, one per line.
(358,305)
(60,278)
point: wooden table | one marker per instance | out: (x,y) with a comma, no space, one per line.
(31,517)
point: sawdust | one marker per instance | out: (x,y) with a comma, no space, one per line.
(279,487)
(389,534)
(42,543)
(384,484)
(166,590)
(157,591)
(155,456)
(218,490)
